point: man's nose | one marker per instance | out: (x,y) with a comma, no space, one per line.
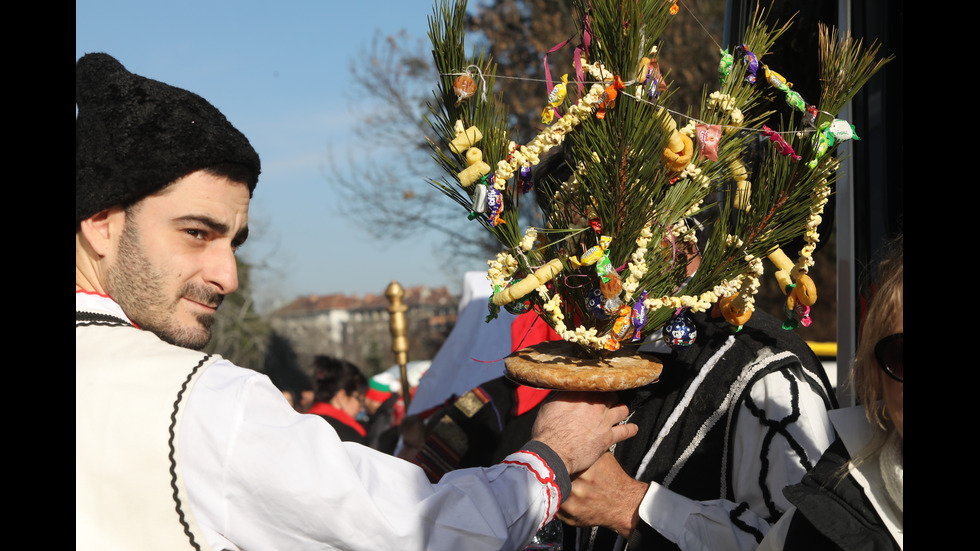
(222,269)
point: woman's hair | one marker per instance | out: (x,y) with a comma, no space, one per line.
(331,375)
(886,307)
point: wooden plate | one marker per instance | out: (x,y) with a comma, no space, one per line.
(556,365)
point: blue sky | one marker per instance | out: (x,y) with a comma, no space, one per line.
(279,72)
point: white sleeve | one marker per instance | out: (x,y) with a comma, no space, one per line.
(781,431)
(260,476)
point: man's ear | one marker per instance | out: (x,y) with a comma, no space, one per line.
(102,228)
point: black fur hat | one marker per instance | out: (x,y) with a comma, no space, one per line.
(134,135)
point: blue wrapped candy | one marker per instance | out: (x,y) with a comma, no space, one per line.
(596,304)
(680,332)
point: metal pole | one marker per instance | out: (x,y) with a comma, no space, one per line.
(399,334)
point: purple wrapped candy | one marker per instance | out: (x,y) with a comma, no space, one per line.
(495,205)
(524,177)
(750,60)
(639,315)
(680,332)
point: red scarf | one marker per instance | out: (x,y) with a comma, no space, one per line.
(325,409)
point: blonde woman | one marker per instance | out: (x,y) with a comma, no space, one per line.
(853,497)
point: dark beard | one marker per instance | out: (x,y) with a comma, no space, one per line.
(136,285)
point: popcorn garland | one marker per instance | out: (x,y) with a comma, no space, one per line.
(638,263)
(555,134)
(582,335)
(501,270)
(812,236)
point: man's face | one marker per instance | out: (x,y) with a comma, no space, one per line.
(175,260)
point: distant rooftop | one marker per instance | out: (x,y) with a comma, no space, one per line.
(414,296)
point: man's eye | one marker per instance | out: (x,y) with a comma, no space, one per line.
(197,234)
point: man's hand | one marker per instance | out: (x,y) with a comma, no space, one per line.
(581,426)
(604,495)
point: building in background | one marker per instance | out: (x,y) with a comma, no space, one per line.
(356,328)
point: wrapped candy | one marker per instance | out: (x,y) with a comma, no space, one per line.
(518,306)
(777,80)
(751,62)
(591,256)
(608,97)
(595,303)
(495,204)
(604,267)
(810,115)
(651,77)
(611,306)
(823,140)
(800,297)
(612,286)
(555,98)
(594,254)
(782,146)
(596,224)
(480,198)
(680,332)
(708,136)
(725,65)
(842,130)
(639,315)
(795,100)
(465,87)
(524,178)
(622,328)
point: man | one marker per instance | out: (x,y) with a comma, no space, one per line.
(733,419)
(179,449)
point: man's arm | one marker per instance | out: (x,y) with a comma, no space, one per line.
(261,476)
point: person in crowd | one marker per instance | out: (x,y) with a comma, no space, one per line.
(178,449)
(733,419)
(340,389)
(853,497)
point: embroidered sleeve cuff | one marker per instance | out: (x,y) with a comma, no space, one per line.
(557,474)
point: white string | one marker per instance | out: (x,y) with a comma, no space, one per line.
(639,99)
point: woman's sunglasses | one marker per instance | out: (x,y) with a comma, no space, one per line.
(889,353)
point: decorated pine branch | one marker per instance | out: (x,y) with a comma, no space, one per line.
(650,208)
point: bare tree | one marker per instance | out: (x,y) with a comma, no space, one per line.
(387,190)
